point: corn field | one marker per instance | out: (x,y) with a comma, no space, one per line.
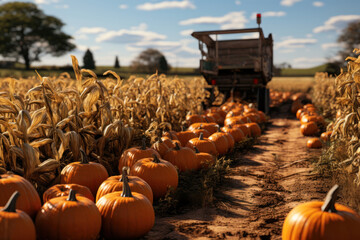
(47,122)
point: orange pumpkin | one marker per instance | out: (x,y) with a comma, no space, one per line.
(322,221)
(199,130)
(183,158)
(89,174)
(158,173)
(194,118)
(203,144)
(68,218)
(15,224)
(160,147)
(185,136)
(221,142)
(296,105)
(205,159)
(131,155)
(314,143)
(60,190)
(325,136)
(254,129)
(309,129)
(29,200)
(244,129)
(115,183)
(125,215)
(210,127)
(237,134)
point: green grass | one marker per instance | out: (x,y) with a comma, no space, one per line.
(303,71)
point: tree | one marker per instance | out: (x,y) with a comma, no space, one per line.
(88,59)
(149,61)
(27,33)
(350,38)
(117,64)
(163,65)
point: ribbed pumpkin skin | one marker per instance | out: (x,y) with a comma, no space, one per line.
(60,219)
(160,147)
(254,129)
(205,159)
(244,129)
(231,141)
(131,155)
(160,176)
(113,184)
(205,132)
(221,142)
(16,225)
(204,145)
(185,136)
(184,159)
(236,133)
(125,217)
(210,127)
(195,118)
(61,190)
(89,174)
(29,200)
(308,222)
(314,143)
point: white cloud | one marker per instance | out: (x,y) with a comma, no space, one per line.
(160,45)
(187,32)
(228,21)
(123,6)
(310,60)
(132,35)
(318,4)
(289,3)
(91,30)
(336,23)
(184,4)
(326,46)
(295,43)
(45,1)
(237,2)
(269,14)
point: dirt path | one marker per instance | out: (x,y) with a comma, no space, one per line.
(258,193)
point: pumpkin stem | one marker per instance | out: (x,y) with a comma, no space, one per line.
(124,174)
(218,127)
(196,149)
(72,196)
(329,203)
(177,147)
(84,159)
(201,136)
(143,143)
(156,159)
(11,204)
(126,189)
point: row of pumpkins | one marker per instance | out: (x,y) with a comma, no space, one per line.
(88,202)
(311,124)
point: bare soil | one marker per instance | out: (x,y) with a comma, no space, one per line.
(268,181)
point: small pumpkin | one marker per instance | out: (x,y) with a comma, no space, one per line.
(60,190)
(199,130)
(221,142)
(183,158)
(71,217)
(116,183)
(29,201)
(15,224)
(89,174)
(203,144)
(125,215)
(131,155)
(185,136)
(254,129)
(322,220)
(325,136)
(205,159)
(160,147)
(309,129)
(158,173)
(236,133)
(314,143)
(210,127)
(235,120)
(194,118)
(244,129)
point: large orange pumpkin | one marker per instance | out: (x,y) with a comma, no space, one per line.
(205,159)
(185,136)
(158,173)
(254,129)
(322,221)
(183,158)
(68,218)
(125,215)
(29,200)
(15,224)
(236,132)
(60,190)
(309,129)
(89,174)
(116,183)
(131,155)
(203,144)
(221,142)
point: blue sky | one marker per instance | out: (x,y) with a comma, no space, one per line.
(304,31)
